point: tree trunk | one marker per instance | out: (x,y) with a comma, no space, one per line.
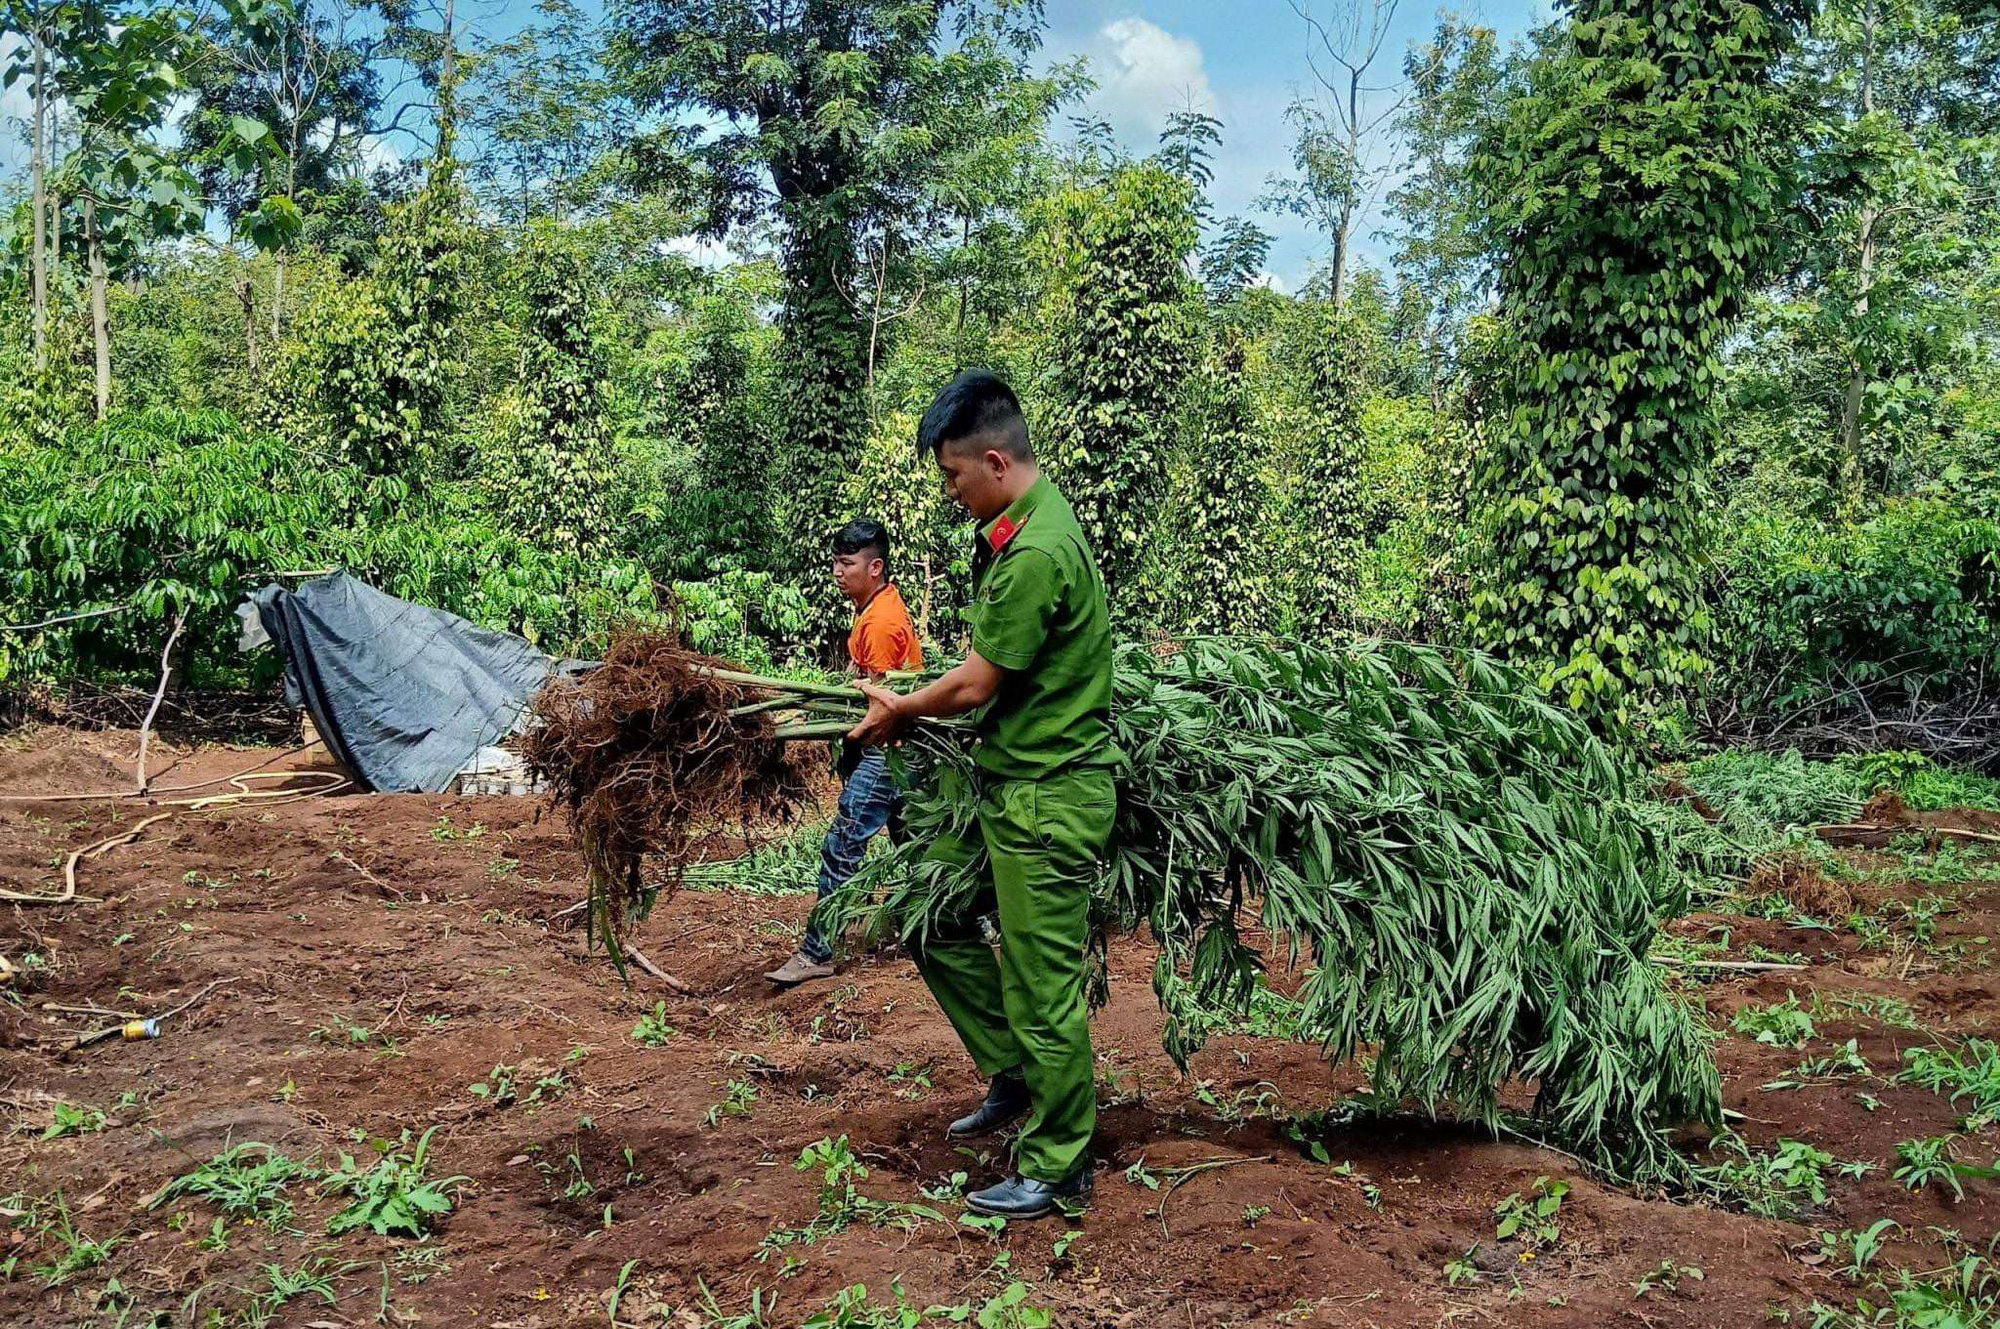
(1345,233)
(964,283)
(447,92)
(40,260)
(875,327)
(282,260)
(1340,253)
(248,295)
(100,319)
(1857,377)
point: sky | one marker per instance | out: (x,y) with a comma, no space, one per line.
(1243,62)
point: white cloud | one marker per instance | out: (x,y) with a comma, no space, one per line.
(1270,281)
(702,252)
(378,154)
(1143,72)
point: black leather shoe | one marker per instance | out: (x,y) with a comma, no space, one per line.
(1006,1099)
(1024,1197)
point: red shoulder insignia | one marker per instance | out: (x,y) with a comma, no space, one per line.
(1004,530)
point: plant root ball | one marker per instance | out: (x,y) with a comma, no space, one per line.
(645,762)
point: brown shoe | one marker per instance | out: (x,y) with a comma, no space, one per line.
(801,968)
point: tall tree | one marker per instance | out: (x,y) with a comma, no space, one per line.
(312,83)
(1187,149)
(33,21)
(1331,356)
(1457,85)
(550,465)
(1635,185)
(1120,341)
(1902,106)
(1234,259)
(1337,152)
(117,66)
(545,114)
(827,101)
(1226,567)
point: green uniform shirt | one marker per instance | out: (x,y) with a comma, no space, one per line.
(1038,612)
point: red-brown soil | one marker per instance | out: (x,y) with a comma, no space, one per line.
(434,922)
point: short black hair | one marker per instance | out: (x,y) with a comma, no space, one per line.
(977,402)
(864,533)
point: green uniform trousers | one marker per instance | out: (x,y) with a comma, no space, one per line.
(1026,1008)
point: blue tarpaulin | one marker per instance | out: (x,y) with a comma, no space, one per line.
(404,695)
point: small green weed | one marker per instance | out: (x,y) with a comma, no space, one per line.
(1779,1184)
(500,1087)
(1009,1309)
(1971,1072)
(1964,1293)
(445,830)
(1784,1025)
(1666,1277)
(1533,1219)
(737,1098)
(74,1121)
(396,1196)
(652,1029)
(840,1202)
(1842,1064)
(1924,1162)
(69,1251)
(914,1079)
(339,1033)
(851,1308)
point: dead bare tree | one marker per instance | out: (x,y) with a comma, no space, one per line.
(873,302)
(1336,153)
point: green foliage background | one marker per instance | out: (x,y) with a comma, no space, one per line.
(1594,414)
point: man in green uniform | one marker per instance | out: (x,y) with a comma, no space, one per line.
(1040,663)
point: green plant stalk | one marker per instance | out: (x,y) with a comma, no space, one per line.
(759,707)
(791,686)
(813,729)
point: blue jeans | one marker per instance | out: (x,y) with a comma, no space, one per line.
(868,802)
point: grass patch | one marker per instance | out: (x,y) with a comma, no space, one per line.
(1971,1072)
(1784,1025)
(1962,1293)
(1783,1183)
(65,1249)
(245,1181)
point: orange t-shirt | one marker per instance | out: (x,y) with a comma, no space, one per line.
(883,638)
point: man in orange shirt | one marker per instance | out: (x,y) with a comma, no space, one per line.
(882,640)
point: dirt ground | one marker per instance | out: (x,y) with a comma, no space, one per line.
(381,955)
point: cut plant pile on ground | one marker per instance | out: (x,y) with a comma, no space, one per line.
(1466,867)
(646,761)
